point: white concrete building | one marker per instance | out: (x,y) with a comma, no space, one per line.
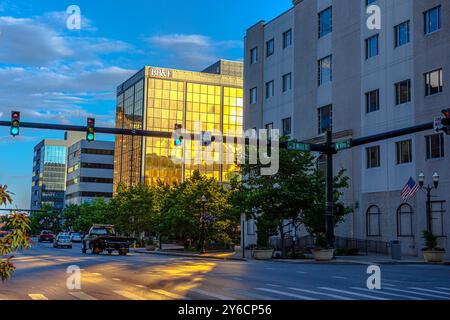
(362,82)
(90,171)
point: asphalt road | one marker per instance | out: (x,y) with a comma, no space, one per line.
(42,275)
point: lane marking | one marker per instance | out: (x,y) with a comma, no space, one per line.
(37,296)
(251,294)
(286,294)
(337,277)
(237,279)
(273,285)
(389,285)
(140,286)
(419,293)
(170,294)
(441,288)
(388,293)
(353,293)
(321,293)
(82,296)
(128,295)
(116,279)
(428,290)
(301,272)
(211,294)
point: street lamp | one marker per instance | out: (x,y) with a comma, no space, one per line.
(202,218)
(428,190)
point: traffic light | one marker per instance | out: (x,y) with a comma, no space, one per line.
(179,138)
(15,123)
(90,133)
(446,121)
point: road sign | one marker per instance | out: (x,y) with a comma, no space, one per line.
(296,146)
(438,126)
(342,145)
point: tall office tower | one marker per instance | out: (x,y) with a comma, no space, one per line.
(49,171)
(90,171)
(156,99)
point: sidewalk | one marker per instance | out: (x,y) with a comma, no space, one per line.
(345,260)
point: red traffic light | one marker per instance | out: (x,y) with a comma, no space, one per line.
(446,113)
(91,122)
(15,115)
(178,126)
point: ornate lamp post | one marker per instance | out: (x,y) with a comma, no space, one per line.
(428,190)
(202,218)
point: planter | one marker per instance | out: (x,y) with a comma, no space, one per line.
(263,254)
(433,256)
(150,248)
(323,255)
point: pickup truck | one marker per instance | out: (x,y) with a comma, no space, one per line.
(103,238)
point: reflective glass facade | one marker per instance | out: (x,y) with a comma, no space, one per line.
(163,98)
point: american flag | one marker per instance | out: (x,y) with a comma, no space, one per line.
(410,189)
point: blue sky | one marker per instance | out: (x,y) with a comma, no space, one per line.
(52,74)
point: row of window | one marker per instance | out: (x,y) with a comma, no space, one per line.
(270,46)
(432,23)
(286,85)
(405,217)
(103,152)
(286,125)
(433,85)
(88,194)
(404,153)
(89,180)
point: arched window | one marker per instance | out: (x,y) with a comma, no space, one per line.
(404,221)
(373,221)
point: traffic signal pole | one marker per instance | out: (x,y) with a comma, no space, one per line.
(329,215)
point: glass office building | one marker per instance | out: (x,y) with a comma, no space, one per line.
(156,99)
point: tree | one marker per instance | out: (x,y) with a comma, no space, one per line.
(47,218)
(18,237)
(295,195)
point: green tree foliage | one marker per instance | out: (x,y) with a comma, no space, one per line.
(294,195)
(17,238)
(45,219)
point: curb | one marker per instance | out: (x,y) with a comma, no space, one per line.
(355,262)
(176,254)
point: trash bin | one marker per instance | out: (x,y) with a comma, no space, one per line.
(396,250)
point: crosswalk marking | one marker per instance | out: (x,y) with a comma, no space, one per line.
(353,293)
(287,294)
(428,290)
(321,293)
(82,296)
(128,295)
(37,296)
(170,294)
(388,293)
(419,293)
(211,294)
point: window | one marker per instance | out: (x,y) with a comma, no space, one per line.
(325,117)
(403,92)
(435,146)
(321,163)
(253,95)
(254,55)
(372,101)
(373,222)
(251,227)
(432,20)
(404,151)
(287,130)
(372,47)
(402,36)
(325,22)
(287,39)
(373,157)
(269,89)
(370,1)
(437,218)
(325,70)
(404,221)
(102,152)
(433,82)
(287,82)
(270,47)
(269,128)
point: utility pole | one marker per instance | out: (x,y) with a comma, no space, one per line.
(329,215)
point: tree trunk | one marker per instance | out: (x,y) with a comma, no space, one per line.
(283,245)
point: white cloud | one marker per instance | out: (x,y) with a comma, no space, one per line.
(191,51)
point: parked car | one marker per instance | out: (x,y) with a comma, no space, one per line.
(46,236)
(76,237)
(62,240)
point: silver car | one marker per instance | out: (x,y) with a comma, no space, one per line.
(62,241)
